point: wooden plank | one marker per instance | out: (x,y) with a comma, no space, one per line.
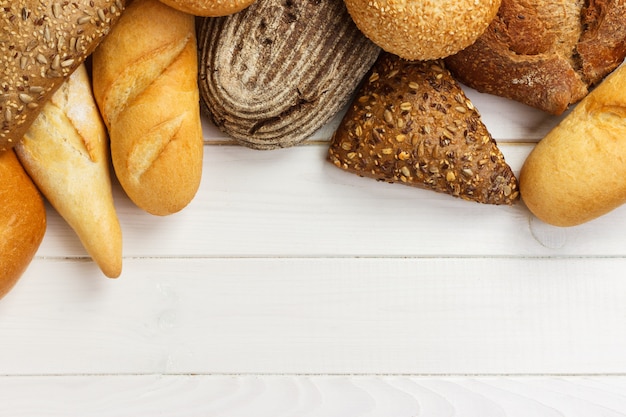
(318,316)
(293,202)
(315,396)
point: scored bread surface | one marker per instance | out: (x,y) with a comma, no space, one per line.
(273,74)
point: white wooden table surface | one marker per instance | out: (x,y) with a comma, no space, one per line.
(291,288)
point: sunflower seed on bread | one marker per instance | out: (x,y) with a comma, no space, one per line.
(411,123)
(274,73)
(41,43)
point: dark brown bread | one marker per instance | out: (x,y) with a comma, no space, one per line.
(545,53)
(43,42)
(411,123)
(273,74)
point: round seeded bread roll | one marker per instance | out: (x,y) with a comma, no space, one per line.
(209,8)
(424,29)
(22,220)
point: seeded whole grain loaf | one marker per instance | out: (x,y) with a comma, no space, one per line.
(545,53)
(43,42)
(411,123)
(274,73)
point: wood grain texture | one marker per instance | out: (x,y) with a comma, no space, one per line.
(311,396)
(291,288)
(311,208)
(318,316)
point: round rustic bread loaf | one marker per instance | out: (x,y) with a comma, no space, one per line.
(208,8)
(545,53)
(273,74)
(425,29)
(22,220)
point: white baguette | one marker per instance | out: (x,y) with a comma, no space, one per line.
(145,83)
(578,171)
(66,153)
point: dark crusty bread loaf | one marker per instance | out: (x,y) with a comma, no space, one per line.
(43,42)
(545,53)
(273,74)
(411,123)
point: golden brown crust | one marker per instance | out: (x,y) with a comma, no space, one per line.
(43,42)
(209,8)
(66,153)
(22,221)
(545,53)
(411,123)
(576,173)
(147,92)
(425,29)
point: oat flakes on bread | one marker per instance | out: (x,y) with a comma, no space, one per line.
(43,42)
(273,74)
(545,53)
(411,123)
(423,29)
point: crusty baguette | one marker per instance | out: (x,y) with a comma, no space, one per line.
(43,42)
(411,123)
(145,84)
(22,220)
(66,153)
(545,53)
(577,172)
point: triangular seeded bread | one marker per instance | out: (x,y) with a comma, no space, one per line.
(410,122)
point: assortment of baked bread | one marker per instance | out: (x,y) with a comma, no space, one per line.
(92,84)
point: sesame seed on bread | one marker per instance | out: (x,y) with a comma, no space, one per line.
(44,41)
(424,29)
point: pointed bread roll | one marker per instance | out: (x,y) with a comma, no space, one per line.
(66,152)
(411,123)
